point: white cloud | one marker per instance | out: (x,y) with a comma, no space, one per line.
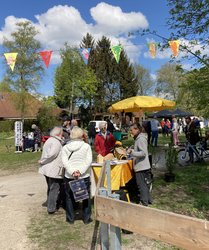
(112,20)
(9,27)
(62,24)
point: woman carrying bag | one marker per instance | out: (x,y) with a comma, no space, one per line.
(77,159)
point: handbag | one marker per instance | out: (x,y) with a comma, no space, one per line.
(79,189)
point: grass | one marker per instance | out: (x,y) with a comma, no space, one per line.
(52,232)
(189,192)
(10,161)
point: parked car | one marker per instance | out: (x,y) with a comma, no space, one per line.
(97,125)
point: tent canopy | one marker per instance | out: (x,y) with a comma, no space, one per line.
(169,113)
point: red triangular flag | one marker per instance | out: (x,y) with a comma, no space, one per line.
(46,56)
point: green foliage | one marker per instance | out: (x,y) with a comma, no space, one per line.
(74,82)
(171,157)
(168,80)
(115,81)
(45,118)
(126,77)
(6,126)
(194,92)
(28,67)
(144,81)
(4,87)
(190,23)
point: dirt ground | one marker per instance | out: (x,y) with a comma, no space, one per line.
(21,195)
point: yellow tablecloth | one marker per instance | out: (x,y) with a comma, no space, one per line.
(120,174)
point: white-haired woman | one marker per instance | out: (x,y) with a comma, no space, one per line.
(51,166)
(77,159)
(104,140)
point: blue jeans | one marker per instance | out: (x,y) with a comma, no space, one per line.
(70,202)
(154,138)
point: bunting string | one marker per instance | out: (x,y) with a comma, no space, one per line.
(85,53)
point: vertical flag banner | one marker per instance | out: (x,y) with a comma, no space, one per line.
(116,50)
(174,47)
(152,49)
(85,54)
(11,59)
(46,56)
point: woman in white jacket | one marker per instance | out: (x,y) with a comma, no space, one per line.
(77,159)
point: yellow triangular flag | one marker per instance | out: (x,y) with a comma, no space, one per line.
(175,47)
(11,59)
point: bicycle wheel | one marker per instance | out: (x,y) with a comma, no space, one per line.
(204,153)
(183,157)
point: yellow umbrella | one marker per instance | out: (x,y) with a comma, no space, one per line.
(145,103)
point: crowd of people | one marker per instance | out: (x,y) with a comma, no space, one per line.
(69,148)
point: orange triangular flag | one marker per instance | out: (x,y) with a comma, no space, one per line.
(46,56)
(174,47)
(11,59)
(152,49)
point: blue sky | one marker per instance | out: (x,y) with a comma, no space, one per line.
(68,21)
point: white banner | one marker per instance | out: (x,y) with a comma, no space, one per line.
(18,133)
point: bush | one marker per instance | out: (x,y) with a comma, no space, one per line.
(6,126)
(45,119)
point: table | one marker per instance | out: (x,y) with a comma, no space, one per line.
(121,173)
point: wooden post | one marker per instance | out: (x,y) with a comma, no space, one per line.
(108,174)
(115,232)
(104,236)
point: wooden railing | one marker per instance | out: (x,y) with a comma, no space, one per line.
(179,230)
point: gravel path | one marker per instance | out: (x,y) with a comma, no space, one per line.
(19,195)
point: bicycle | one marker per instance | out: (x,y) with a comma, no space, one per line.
(200,153)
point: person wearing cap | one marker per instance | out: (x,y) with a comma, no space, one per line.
(104,141)
(192,135)
(66,128)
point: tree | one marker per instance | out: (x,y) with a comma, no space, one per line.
(144,80)
(194,92)
(4,87)
(74,82)
(104,68)
(190,20)
(28,67)
(45,118)
(126,77)
(168,80)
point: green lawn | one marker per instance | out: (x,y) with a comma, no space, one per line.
(11,161)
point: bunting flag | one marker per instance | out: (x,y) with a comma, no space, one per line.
(116,50)
(85,54)
(46,56)
(174,47)
(152,49)
(11,59)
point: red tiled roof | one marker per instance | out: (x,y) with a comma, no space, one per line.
(9,109)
